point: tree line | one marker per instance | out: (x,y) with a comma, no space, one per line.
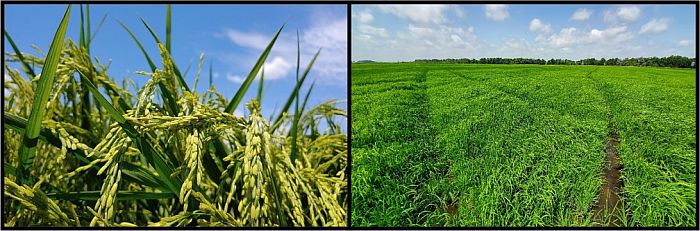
(670,61)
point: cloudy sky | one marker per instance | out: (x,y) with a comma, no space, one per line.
(231,37)
(409,32)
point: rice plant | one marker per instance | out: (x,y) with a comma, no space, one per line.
(81,149)
(521,145)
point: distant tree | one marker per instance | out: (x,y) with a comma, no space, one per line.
(670,61)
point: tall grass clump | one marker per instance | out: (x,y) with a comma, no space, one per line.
(80,149)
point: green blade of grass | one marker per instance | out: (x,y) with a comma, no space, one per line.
(168,29)
(175,69)
(187,70)
(115,113)
(210,165)
(28,69)
(167,96)
(306,99)
(145,54)
(30,138)
(210,74)
(296,106)
(9,170)
(19,124)
(295,123)
(298,66)
(260,86)
(288,104)
(87,34)
(84,93)
(121,196)
(220,150)
(82,27)
(144,145)
(99,26)
(254,72)
(141,176)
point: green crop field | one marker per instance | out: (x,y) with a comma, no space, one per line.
(520,145)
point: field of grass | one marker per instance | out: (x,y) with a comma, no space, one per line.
(520,145)
(80,149)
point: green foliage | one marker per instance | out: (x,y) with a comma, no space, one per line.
(518,145)
(160,156)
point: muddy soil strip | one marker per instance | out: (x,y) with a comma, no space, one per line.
(607,209)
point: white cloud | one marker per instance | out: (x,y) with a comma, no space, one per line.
(459,12)
(277,68)
(423,41)
(496,12)
(420,31)
(581,14)
(453,37)
(537,25)
(571,36)
(629,13)
(234,78)
(456,38)
(625,14)
(327,31)
(655,26)
(248,39)
(365,16)
(372,31)
(417,13)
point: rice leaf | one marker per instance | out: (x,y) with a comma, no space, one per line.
(295,123)
(9,170)
(82,27)
(142,176)
(29,140)
(87,34)
(210,74)
(19,124)
(254,72)
(145,54)
(28,69)
(144,145)
(167,96)
(84,93)
(260,85)
(168,29)
(296,106)
(99,26)
(291,97)
(175,69)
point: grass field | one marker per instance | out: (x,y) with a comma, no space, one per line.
(520,145)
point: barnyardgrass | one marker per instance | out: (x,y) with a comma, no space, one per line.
(164,155)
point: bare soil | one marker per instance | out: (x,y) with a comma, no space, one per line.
(607,210)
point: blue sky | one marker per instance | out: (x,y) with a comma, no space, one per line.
(231,37)
(409,32)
